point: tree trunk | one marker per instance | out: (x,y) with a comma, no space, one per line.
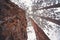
(13,21)
(52,20)
(40,35)
(49,19)
(51,6)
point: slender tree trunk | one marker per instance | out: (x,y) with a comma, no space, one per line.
(51,6)
(49,19)
(13,21)
(52,20)
(40,35)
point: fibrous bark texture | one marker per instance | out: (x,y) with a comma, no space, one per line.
(13,22)
(40,35)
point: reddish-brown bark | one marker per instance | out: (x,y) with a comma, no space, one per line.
(39,32)
(13,22)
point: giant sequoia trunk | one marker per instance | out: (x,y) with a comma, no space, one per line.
(13,22)
(39,32)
